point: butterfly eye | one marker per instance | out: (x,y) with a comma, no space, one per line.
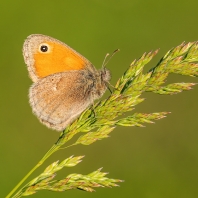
(43,48)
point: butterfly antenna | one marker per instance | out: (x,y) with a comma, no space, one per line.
(106,62)
(103,64)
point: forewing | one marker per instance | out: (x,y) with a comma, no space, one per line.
(59,57)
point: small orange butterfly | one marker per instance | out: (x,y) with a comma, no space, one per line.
(65,82)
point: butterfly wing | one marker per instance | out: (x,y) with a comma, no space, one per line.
(45,55)
(60,98)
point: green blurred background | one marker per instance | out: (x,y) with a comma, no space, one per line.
(160,160)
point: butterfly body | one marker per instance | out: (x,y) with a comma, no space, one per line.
(65,83)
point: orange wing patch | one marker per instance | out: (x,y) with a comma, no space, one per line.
(59,58)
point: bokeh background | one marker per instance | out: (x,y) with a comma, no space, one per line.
(160,160)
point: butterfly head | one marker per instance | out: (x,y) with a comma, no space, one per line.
(105,75)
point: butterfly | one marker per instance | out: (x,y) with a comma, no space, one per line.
(64,82)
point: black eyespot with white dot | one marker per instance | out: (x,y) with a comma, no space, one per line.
(44,48)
